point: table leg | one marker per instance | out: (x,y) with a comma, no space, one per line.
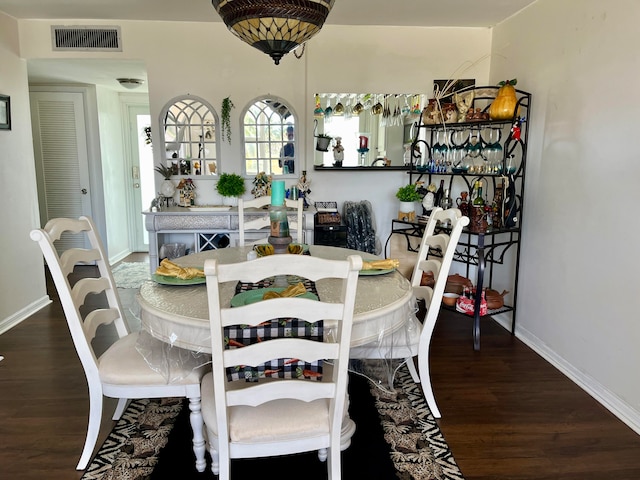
(478,299)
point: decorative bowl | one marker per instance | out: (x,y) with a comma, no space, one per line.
(450,299)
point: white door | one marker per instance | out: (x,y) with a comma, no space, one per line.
(60,147)
(141,181)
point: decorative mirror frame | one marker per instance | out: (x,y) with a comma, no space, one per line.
(264,152)
(192,127)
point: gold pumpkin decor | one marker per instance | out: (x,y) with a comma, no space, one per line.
(504,105)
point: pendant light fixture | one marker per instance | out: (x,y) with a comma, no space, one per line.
(274,27)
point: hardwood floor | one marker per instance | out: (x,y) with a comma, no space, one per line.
(506,413)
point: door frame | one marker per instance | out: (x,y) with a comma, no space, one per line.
(133,104)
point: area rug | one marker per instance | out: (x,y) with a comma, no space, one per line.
(130,274)
(396,438)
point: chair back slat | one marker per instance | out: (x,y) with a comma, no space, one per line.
(305,391)
(96,318)
(73,298)
(77,256)
(262,352)
(257,313)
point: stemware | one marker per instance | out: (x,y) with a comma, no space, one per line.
(358,107)
(440,152)
(377,108)
(492,148)
(328,112)
(339,107)
(348,109)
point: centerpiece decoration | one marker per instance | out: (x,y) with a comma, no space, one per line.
(280,237)
(230,185)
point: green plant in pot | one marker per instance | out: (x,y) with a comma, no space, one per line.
(322,142)
(407,194)
(230,185)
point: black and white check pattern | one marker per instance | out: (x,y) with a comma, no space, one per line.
(277,328)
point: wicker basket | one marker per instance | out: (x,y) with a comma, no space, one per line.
(327,218)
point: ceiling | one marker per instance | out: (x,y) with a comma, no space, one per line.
(426,13)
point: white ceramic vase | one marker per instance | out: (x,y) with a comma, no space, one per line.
(406,207)
(167,188)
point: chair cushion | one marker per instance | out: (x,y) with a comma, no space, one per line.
(122,364)
(272,421)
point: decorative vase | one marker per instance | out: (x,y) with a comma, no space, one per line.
(232,201)
(167,188)
(406,207)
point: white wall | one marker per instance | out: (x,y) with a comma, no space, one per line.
(578,286)
(22,286)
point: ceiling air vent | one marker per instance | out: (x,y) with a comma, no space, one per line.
(104,39)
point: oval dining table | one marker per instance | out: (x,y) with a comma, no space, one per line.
(179,314)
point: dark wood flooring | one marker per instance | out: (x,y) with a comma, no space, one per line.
(506,413)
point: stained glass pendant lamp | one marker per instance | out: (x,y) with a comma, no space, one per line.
(274,27)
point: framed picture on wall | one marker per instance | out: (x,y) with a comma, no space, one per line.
(5,113)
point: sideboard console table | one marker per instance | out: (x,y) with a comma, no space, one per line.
(203,230)
(482,251)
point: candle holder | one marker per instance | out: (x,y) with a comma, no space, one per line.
(363,156)
(280,237)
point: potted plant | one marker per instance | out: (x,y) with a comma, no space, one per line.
(322,142)
(408,194)
(167,188)
(230,185)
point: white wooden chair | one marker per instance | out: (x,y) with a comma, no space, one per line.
(278,416)
(416,340)
(120,372)
(254,224)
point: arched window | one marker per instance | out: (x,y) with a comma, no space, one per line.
(190,136)
(269,138)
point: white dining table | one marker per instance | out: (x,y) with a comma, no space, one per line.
(179,315)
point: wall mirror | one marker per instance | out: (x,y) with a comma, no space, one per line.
(190,137)
(269,138)
(374,130)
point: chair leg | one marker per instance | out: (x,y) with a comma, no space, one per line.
(322,454)
(412,369)
(333,464)
(197,425)
(93,428)
(423,366)
(122,404)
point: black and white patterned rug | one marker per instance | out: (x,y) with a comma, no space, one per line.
(143,443)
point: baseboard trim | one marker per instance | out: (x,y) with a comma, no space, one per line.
(117,258)
(15,319)
(599,392)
